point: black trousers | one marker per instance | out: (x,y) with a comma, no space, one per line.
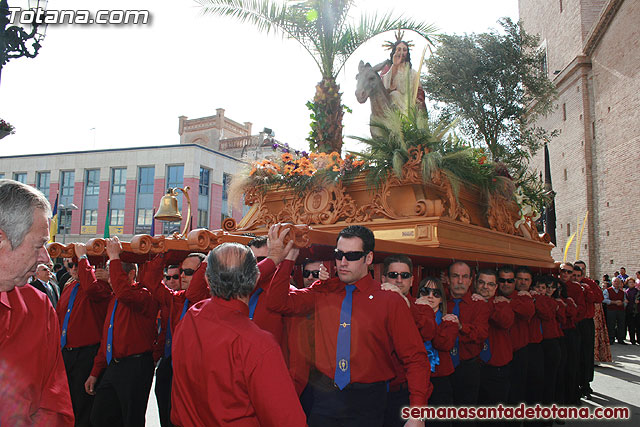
(494,388)
(519,367)
(442,395)
(78,363)
(616,325)
(633,326)
(465,382)
(357,405)
(164,377)
(587,350)
(535,374)
(396,400)
(572,393)
(123,392)
(561,378)
(552,359)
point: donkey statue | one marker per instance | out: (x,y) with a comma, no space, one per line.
(370,87)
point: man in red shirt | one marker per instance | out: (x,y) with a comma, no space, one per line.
(516,289)
(473,325)
(226,368)
(496,352)
(593,296)
(358,327)
(125,350)
(81,312)
(32,379)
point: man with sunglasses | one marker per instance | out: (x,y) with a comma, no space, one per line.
(397,273)
(496,354)
(169,291)
(310,271)
(575,293)
(359,326)
(82,309)
(523,309)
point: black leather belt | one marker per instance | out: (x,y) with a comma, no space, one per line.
(133,356)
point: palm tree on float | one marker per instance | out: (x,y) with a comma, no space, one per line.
(321,27)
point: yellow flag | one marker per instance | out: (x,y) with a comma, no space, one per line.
(566,247)
(579,242)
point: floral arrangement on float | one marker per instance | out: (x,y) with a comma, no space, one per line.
(6,128)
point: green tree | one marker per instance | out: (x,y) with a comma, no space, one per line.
(323,29)
(496,83)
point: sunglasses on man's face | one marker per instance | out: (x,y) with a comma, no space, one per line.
(187,271)
(564,270)
(395,274)
(174,277)
(425,292)
(503,280)
(350,256)
(260,258)
(314,273)
(72,264)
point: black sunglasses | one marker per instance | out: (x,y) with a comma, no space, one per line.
(187,271)
(260,258)
(350,256)
(174,277)
(425,292)
(564,270)
(314,273)
(71,264)
(395,274)
(503,280)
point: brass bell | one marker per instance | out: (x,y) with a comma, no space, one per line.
(168,210)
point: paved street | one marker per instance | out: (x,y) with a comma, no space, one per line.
(617,384)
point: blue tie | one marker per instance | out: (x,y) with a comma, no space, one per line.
(434,355)
(342,376)
(485,354)
(455,351)
(253,301)
(167,342)
(65,324)
(110,333)
(185,307)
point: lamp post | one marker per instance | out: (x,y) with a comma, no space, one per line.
(15,39)
(66,209)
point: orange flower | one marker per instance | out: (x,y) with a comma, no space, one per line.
(334,156)
(288,169)
(482,160)
(253,170)
(304,162)
(336,168)
(287,157)
(308,172)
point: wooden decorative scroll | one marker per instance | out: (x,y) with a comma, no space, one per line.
(199,240)
(229,224)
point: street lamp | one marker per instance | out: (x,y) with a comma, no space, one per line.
(65,209)
(14,39)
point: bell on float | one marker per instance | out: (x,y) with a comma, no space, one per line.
(168,210)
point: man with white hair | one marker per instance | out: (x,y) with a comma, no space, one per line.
(225,367)
(32,376)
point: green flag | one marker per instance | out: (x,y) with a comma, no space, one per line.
(107,220)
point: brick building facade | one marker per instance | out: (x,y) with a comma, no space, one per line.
(593,57)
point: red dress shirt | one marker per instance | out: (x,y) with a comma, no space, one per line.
(33,380)
(425,320)
(381,324)
(171,301)
(474,317)
(300,333)
(89,308)
(268,320)
(575,291)
(229,372)
(545,311)
(571,311)
(134,327)
(523,309)
(593,297)
(551,326)
(501,320)
(443,341)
